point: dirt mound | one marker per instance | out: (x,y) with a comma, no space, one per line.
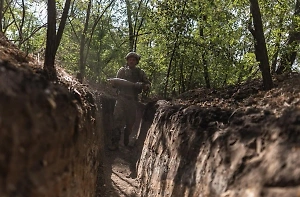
(50,140)
(236,141)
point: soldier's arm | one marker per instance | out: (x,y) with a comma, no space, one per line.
(121,73)
(146,81)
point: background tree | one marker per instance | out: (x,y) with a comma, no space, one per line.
(131,35)
(87,35)
(1,14)
(260,45)
(289,55)
(53,37)
(82,43)
(21,24)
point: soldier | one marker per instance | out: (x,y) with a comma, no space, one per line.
(126,104)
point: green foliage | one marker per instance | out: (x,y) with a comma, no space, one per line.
(179,41)
(30,35)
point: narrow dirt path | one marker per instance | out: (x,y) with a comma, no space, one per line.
(120,166)
(119,171)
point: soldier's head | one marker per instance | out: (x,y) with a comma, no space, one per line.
(132,59)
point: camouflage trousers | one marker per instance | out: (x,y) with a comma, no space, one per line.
(124,118)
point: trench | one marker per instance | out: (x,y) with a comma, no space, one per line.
(53,138)
(192,151)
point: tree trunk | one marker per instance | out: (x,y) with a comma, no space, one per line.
(289,55)
(192,70)
(51,42)
(277,48)
(204,61)
(21,37)
(53,39)
(260,45)
(176,44)
(169,67)
(62,24)
(182,79)
(82,43)
(1,15)
(85,42)
(137,29)
(130,26)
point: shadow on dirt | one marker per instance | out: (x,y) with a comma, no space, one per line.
(120,167)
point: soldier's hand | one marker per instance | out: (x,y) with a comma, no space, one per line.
(138,85)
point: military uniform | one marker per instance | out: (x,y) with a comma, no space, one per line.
(126,104)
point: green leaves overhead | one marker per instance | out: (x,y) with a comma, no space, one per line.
(184,44)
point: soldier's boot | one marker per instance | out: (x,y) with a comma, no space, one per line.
(126,136)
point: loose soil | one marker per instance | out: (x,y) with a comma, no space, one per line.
(118,173)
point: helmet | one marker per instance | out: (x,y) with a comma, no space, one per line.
(133,54)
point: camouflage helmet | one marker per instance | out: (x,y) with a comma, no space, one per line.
(133,54)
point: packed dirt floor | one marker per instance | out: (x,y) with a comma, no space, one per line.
(232,139)
(120,180)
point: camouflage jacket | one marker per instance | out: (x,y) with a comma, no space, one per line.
(133,75)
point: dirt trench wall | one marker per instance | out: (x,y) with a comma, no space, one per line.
(50,140)
(199,152)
